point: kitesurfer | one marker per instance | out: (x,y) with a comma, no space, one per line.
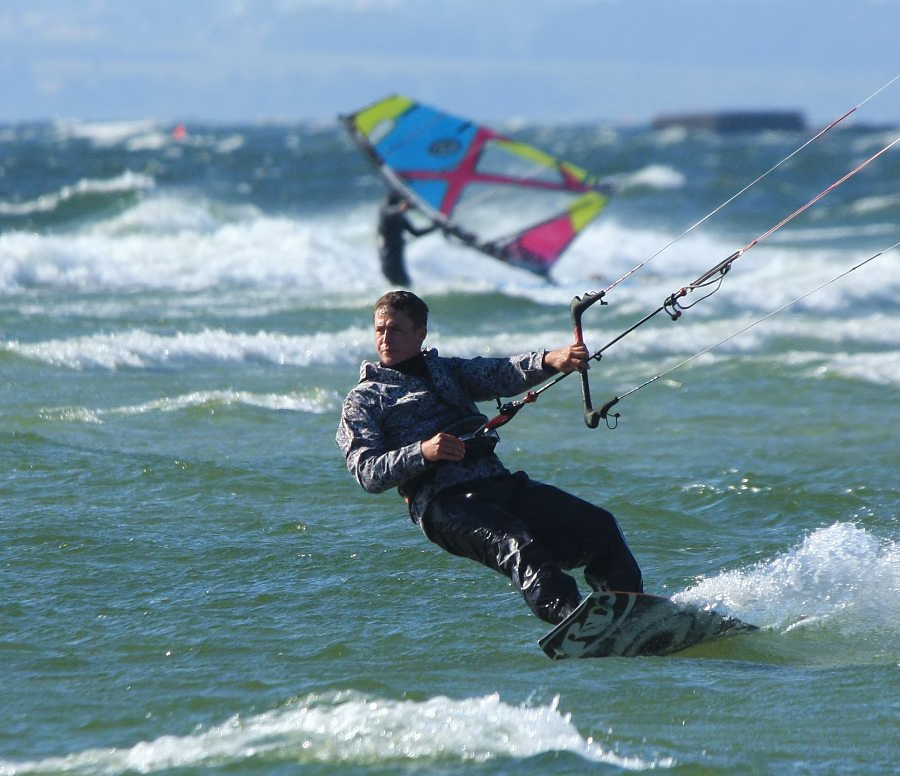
(392,224)
(399,428)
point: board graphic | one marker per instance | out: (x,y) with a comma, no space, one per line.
(611,624)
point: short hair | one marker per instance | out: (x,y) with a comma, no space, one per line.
(405,302)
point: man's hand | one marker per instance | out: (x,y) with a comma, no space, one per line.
(571,358)
(443,447)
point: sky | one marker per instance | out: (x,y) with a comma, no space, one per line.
(613,61)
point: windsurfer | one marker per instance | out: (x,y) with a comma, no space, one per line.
(395,432)
(392,224)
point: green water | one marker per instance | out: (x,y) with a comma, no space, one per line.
(193,583)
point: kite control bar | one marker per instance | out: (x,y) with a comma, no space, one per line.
(592,417)
(577,307)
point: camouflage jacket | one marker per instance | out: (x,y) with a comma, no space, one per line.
(388,414)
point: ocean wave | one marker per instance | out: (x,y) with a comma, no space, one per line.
(317,401)
(189,243)
(138,348)
(148,135)
(346,729)
(887,203)
(142,349)
(170,215)
(127,182)
(879,368)
(650,349)
(104,133)
(161,244)
(654,176)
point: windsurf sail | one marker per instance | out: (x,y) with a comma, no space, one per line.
(503,197)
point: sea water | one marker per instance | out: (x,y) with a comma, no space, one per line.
(193,583)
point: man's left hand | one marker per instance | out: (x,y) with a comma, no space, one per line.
(571,358)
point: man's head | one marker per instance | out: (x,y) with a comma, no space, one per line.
(401,323)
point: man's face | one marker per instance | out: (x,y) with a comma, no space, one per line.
(396,338)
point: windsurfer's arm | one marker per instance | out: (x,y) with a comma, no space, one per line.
(389,211)
(418,231)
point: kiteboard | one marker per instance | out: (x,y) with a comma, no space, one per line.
(611,624)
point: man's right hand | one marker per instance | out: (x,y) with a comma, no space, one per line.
(443,447)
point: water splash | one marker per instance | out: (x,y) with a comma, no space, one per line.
(840,581)
(351,729)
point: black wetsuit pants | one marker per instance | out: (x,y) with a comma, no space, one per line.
(530,532)
(393,265)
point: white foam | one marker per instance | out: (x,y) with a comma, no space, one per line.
(881,368)
(171,244)
(350,729)
(841,575)
(887,204)
(181,243)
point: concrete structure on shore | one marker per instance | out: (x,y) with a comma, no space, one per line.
(735,121)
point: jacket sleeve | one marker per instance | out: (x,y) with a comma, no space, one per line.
(489,378)
(375,468)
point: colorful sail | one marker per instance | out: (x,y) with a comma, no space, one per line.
(468,178)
